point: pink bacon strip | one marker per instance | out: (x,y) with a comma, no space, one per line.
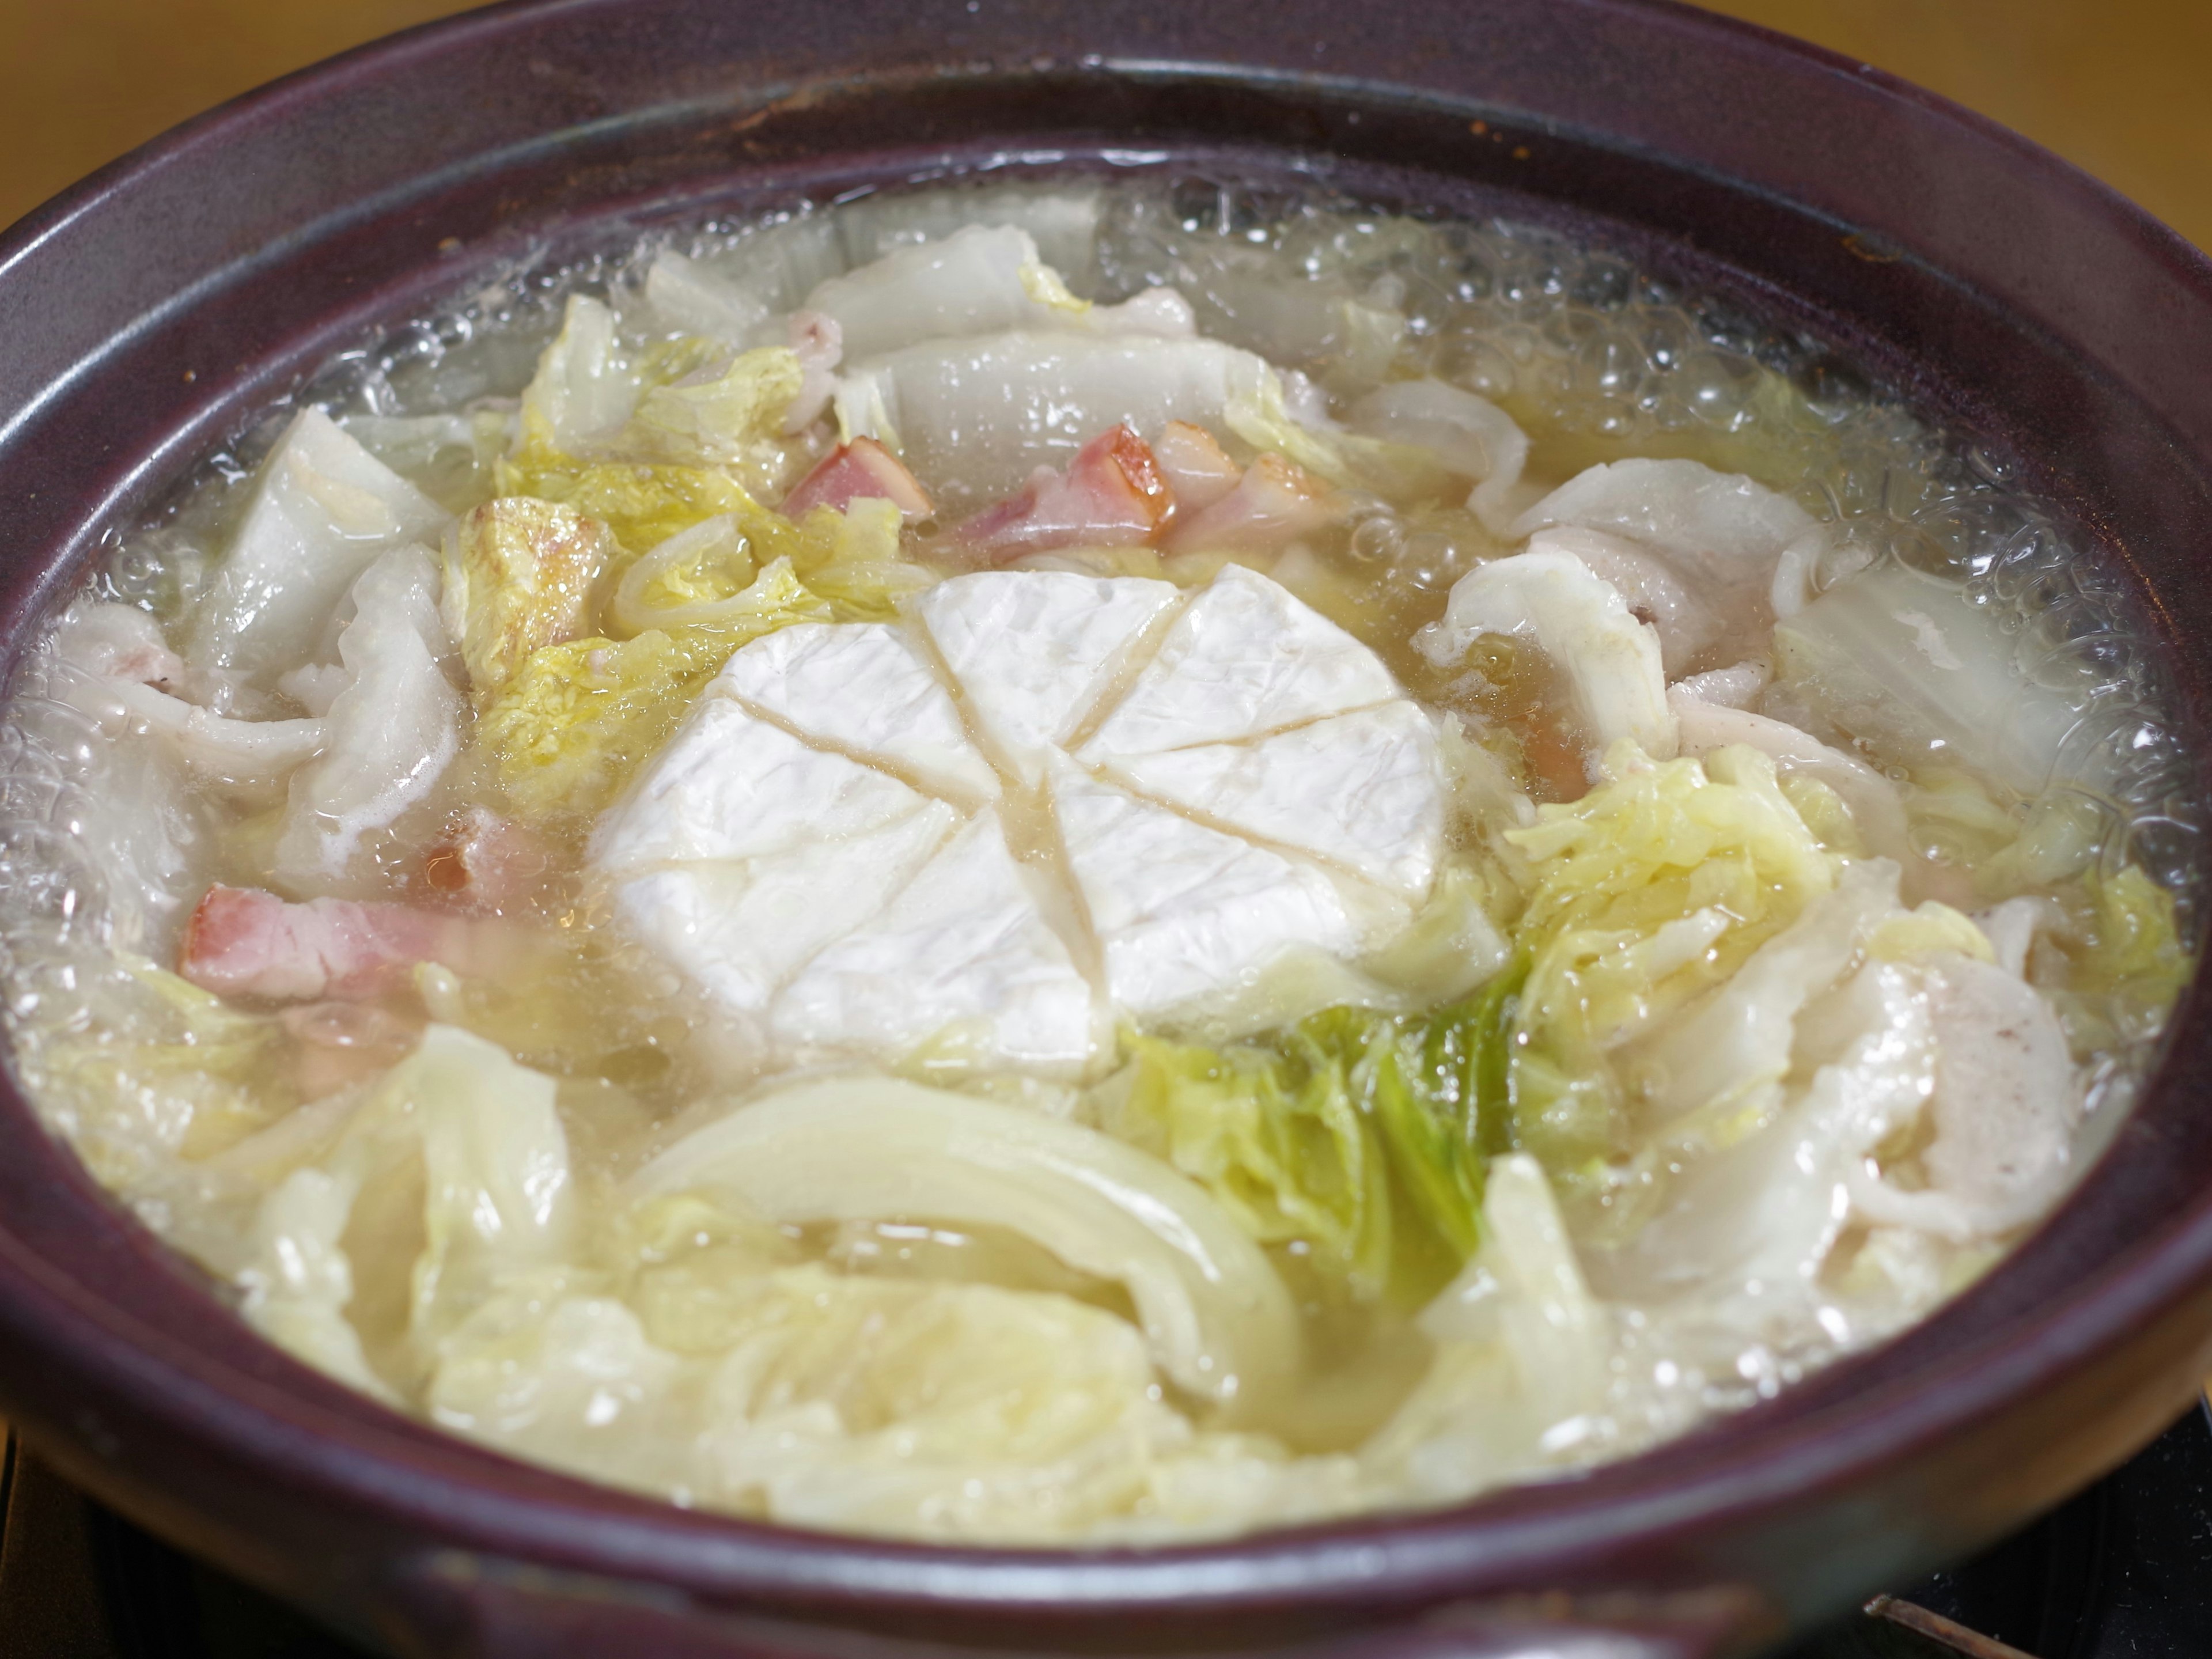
(244,942)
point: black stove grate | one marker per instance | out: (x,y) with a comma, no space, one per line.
(2123,1571)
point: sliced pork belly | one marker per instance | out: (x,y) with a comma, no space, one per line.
(1273,504)
(1112,494)
(1197,469)
(862,470)
(242,941)
(1612,662)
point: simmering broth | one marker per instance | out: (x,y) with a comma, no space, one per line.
(1091,861)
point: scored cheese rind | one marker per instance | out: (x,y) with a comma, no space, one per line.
(769,852)
(1182,912)
(963,952)
(1244,659)
(1363,790)
(729,785)
(741,927)
(1033,651)
(863,687)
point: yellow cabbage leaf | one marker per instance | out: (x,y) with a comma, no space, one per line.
(572,723)
(580,718)
(1652,888)
(2129,963)
(518,576)
(726,413)
(642,504)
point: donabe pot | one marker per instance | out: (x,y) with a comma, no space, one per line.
(145,315)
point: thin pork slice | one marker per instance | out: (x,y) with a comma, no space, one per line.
(862,470)
(245,942)
(1113,494)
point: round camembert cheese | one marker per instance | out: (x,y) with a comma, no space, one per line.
(1043,804)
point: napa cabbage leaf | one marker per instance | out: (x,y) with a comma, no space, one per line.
(1359,1133)
(518,576)
(1524,1350)
(914,1407)
(160,1064)
(1906,666)
(2127,963)
(583,388)
(1261,414)
(1653,888)
(650,447)
(728,412)
(867,1148)
(458,1158)
(641,503)
(578,718)
(984,279)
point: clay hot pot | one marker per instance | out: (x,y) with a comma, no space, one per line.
(145,316)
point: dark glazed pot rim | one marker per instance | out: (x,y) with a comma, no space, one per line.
(2078,1316)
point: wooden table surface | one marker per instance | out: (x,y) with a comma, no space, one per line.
(2118,87)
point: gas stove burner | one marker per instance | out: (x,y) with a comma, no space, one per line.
(2120,1570)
